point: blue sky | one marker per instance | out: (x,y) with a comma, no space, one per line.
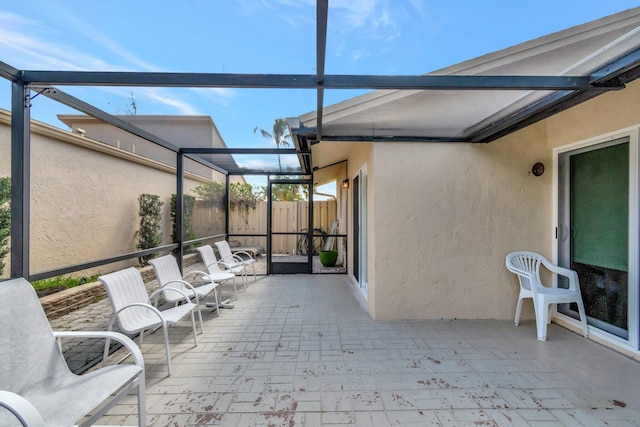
(260,36)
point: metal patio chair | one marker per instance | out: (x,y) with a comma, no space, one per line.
(218,271)
(134,312)
(169,275)
(38,389)
(235,260)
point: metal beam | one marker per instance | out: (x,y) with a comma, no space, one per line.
(391,138)
(179,210)
(266,172)
(20,179)
(322,13)
(10,73)
(204,150)
(303,81)
(464,82)
(151,79)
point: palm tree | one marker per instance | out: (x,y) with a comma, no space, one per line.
(278,134)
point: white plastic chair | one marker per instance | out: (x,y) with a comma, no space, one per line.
(234,260)
(215,272)
(168,275)
(38,389)
(526,265)
(133,309)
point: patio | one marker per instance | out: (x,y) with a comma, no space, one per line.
(301,350)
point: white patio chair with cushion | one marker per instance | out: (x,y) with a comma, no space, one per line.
(526,265)
(38,389)
(168,275)
(234,259)
(218,271)
(133,309)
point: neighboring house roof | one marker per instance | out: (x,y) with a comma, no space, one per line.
(605,52)
(179,131)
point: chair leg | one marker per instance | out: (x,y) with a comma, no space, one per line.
(107,342)
(542,314)
(105,356)
(142,402)
(193,323)
(215,295)
(200,317)
(254,271)
(583,318)
(518,310)
(166,345)
(235,288)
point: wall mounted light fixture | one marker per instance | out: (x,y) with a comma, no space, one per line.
(345,184)
(537,169)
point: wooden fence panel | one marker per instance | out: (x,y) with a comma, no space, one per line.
(286,217)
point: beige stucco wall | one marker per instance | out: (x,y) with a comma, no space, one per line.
(445,217)
(84,197)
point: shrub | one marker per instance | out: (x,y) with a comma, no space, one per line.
(149,234)
(5,219)
(187,212)
(212,192)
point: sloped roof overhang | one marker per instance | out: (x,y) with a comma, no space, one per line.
(485,98)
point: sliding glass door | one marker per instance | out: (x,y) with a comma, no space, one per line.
(593,231)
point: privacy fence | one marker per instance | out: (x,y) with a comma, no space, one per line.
(249,226)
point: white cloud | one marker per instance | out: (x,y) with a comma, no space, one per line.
(27,44)
(363,27)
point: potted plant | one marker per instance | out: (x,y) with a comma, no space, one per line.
(328,258)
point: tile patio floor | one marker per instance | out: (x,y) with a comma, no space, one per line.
(300,351)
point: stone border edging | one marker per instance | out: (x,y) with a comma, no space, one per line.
(72,299)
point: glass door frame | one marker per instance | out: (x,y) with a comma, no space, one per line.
(289,267)
(630,134)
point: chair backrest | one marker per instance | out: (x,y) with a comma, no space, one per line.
(126,287)
(223,248)
(29,353)
(209,258)
(167,270)
(225,251)
(526,265)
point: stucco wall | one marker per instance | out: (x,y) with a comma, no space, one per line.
(445,217)
(84,197)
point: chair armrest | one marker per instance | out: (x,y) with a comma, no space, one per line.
(21,408)
(236,259)
(185,283)
(222,263)
(165,287)
(116,336)
(243,252)
(194,272)
(570,274)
